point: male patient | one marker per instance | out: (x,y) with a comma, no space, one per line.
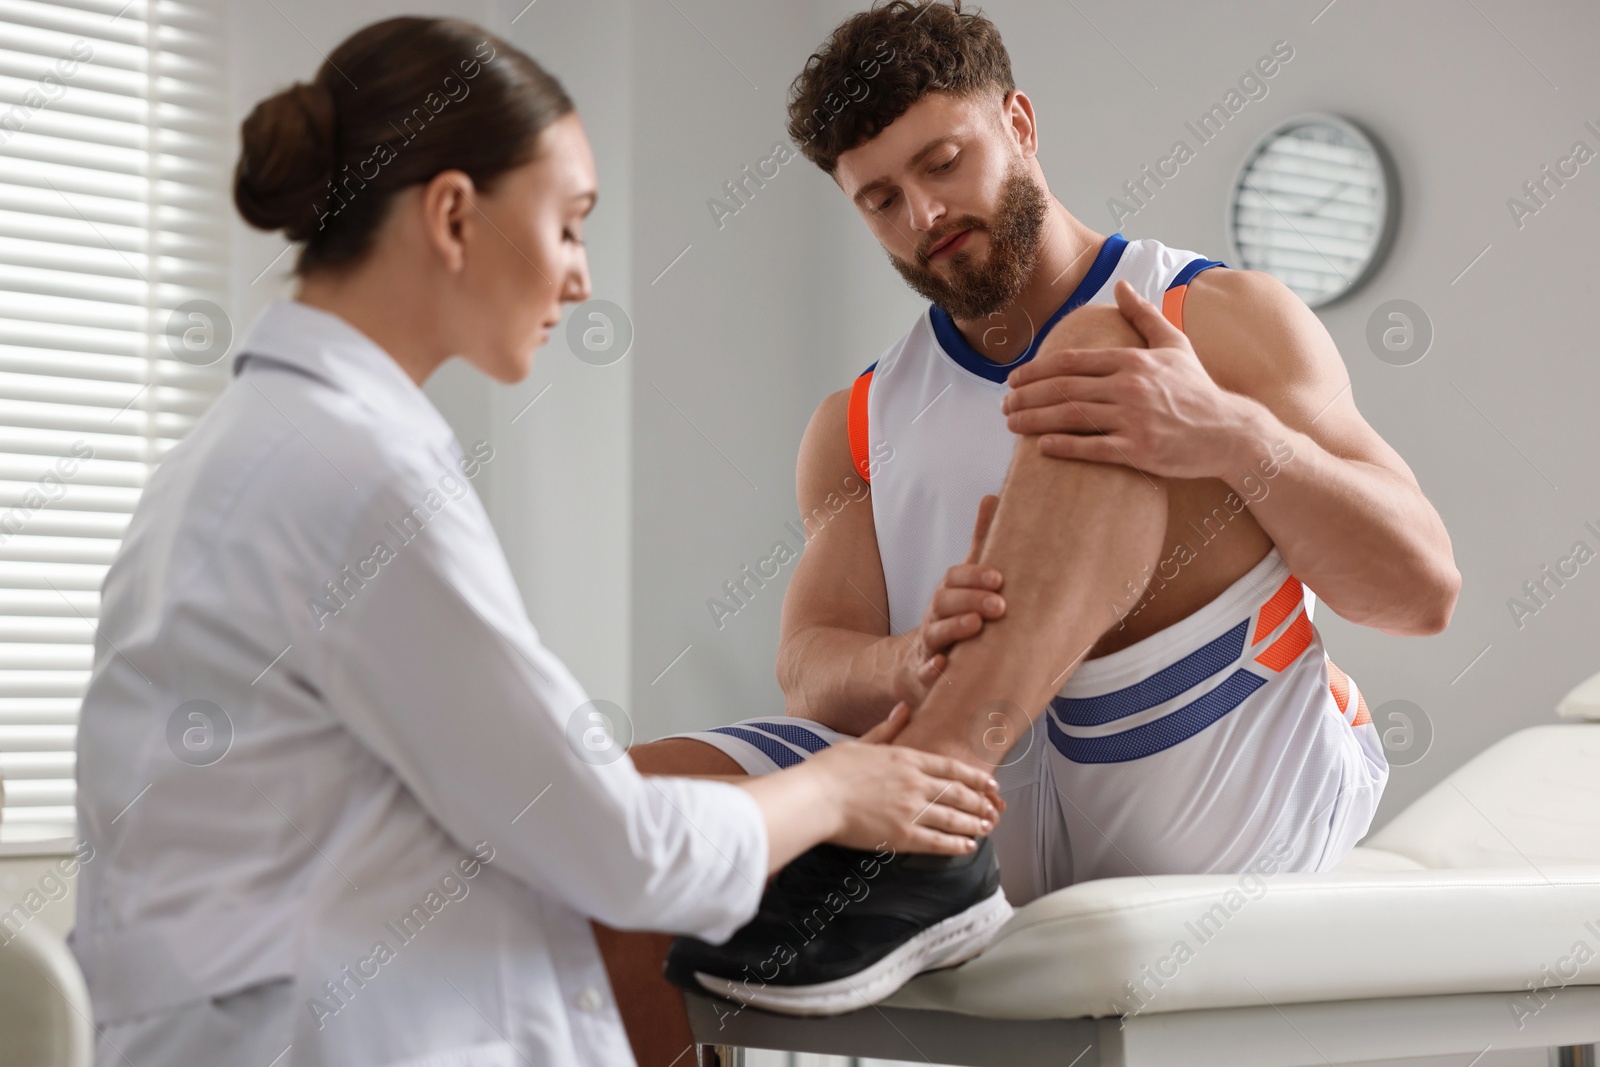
(1127,639)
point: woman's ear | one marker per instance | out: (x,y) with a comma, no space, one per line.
(449,203)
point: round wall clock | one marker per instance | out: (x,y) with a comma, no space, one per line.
(1315,205)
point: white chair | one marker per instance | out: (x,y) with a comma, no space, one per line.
(1455,928)
(44,1005)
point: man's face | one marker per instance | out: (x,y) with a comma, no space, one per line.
(948,190)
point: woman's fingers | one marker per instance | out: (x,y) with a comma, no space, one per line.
(969,775)
(937,843)
(890,727)
(951,821)
(959,797)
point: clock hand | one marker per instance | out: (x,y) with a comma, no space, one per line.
(1325,200)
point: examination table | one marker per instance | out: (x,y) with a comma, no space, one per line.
(1470,921)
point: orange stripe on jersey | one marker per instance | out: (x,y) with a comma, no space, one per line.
(1172,304)
(856,425)
(1363,716)
(1339,683)
(1293,641)
(1289,596)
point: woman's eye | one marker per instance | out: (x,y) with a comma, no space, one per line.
(946,165)
(572,236)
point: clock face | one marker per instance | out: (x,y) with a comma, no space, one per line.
(1314,207)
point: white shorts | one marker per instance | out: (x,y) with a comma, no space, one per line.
(1224,740)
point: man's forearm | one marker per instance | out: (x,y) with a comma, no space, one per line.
(840,678)
(1365,539)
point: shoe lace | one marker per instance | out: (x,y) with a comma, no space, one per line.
(803,884)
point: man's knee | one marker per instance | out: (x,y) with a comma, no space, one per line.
(1094,326)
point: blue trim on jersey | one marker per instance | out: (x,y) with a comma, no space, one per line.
(776,751)
(795,735)
(869,370)
(1162,733)
(950,339)
(1188,672)
(1193,267)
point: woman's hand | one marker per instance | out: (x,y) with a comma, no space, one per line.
(913,801)
(966,599)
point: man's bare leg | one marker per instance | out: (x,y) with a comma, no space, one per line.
(1067,538)
(651,1007)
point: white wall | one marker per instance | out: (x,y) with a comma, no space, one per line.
(629,494)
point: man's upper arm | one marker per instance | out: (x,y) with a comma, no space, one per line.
(839,579)
(1256,337)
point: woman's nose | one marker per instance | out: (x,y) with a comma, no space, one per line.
(578,288)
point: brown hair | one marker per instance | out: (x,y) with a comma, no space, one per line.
(392,106)
(878,63)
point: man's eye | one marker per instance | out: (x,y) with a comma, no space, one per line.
(884,206)
(946,165)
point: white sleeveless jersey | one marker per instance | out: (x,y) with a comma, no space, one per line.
(1192,750)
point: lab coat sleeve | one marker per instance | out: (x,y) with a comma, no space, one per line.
(432,662)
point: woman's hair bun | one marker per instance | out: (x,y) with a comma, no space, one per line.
(288,153)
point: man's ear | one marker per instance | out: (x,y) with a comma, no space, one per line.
(449,204)
(1019,118)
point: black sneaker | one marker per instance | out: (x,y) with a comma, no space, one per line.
(839,929)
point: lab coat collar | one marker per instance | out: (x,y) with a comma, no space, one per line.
(327,347)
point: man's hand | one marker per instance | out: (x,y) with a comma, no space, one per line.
(968,597)
(1155,409)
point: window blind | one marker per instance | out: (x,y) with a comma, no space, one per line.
(114,214)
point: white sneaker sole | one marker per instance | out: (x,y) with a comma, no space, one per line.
(944,944)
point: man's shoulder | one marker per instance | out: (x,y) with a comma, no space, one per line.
(1250,331)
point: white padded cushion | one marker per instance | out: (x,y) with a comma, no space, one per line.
(44,1006)
(1583,702)
(1488,877)
(1530,800)
(1291,938)
(1362,858)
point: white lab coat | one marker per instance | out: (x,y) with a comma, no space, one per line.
(401,844)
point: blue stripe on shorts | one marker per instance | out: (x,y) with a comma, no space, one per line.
(776,751)
(795,735)
(1204,662)
(1158,734)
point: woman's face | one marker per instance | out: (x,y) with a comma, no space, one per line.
(528,258)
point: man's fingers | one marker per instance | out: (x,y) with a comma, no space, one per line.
(948,603)
(1146,318)
(939,636)
(980,529)
(973,575)
(1061,389)
(1068,418)
(1073,362)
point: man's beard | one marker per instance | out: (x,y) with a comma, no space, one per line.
(974,291)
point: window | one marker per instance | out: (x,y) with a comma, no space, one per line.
(114,216)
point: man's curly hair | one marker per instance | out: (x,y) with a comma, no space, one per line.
(878,63)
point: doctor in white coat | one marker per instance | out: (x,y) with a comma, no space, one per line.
(345,808)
